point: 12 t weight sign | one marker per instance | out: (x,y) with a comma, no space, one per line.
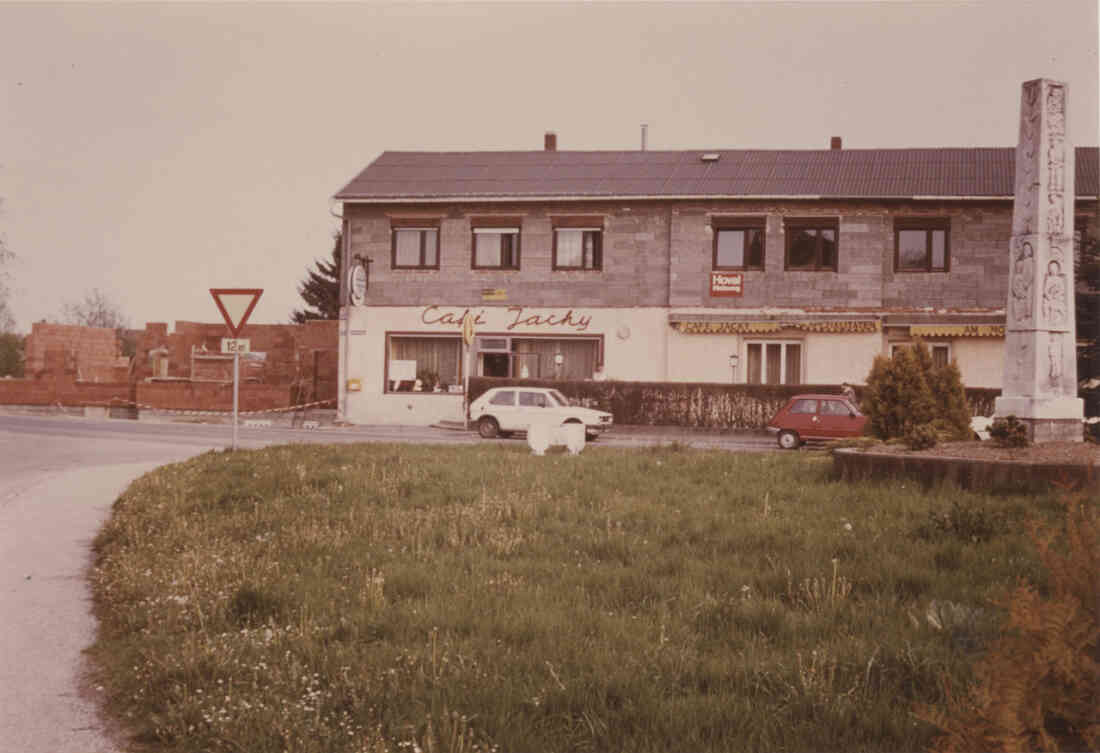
(235,345)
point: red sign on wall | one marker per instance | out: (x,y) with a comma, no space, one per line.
(726,283)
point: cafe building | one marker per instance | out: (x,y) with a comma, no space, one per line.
(721,266)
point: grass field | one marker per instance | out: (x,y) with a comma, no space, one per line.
(389,598)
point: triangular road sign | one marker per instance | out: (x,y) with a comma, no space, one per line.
(236,305)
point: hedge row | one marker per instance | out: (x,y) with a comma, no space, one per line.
(703,406)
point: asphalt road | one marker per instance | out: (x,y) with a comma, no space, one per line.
(58,479)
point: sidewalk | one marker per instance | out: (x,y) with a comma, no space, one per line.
(640,431)
(46,526)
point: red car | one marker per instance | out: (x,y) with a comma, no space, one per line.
(816,417)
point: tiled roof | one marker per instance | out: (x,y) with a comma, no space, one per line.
(852,173)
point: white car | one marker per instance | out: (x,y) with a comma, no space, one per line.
(503,410)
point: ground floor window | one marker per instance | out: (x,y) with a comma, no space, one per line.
(432,364)
(941,352)
(774,362)
(538,357)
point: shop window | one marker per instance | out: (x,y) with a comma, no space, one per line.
(434,362)
(415,247)
(572,358)
(812,244)
(738,243)
(941,352)
(774,362)
(578,248)
(496,243)
(921,244)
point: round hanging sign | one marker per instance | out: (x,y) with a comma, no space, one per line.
(358,285)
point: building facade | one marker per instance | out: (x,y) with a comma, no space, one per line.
(743,266)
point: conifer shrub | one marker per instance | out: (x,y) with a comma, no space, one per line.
(1009,432)
(909,391)
(897,396)
(921,437)
(952,410)
(1037,687)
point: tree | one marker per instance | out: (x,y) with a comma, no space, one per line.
(11,354)
(7,320)
(98,310)
(321,289)
(1088,326)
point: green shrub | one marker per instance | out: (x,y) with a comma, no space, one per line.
(921,437)
(1009,432)
(952,411)
(910,391)
(897,396)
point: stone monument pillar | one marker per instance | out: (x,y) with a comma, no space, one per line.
(1040,367)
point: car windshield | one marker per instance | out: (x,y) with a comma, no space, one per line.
(561,399)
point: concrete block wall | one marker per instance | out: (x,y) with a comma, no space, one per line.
(660,254)
(635,257)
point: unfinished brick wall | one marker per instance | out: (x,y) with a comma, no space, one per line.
(186,396)
(62,389)
(91,354)
(282,354)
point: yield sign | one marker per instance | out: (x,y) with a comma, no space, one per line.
(236,305)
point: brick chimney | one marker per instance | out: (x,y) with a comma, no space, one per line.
(550,143)
(834,142)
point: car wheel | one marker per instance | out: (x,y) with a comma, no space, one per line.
(488,427)
(788,440)
(591,436)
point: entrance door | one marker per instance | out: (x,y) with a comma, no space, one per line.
(495,364)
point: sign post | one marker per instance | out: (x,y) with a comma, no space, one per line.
(236,305)
(467,340)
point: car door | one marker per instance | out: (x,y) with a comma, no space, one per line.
(839,419)
(532,406)
(802,417)
(502,406)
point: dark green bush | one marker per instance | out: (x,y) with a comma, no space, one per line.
(921,437)
(1009,432)
(909,391)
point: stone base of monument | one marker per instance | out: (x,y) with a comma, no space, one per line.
(542,436)
(1047,420)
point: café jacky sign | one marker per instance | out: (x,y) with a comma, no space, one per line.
(507,319)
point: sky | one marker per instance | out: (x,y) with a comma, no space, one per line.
(154,151)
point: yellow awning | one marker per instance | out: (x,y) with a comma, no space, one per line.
(957,330)
(704,327)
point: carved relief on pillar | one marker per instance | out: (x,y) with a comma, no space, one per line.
(1056,159)
(1025,214)
(1054,305)
(1022,280)
(1056,110)
(1020,370)
(1054,357)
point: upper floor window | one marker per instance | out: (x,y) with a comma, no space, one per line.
(812,243)
(578,247)
(496,243)
(738,243)
(414,245)
(921,244)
